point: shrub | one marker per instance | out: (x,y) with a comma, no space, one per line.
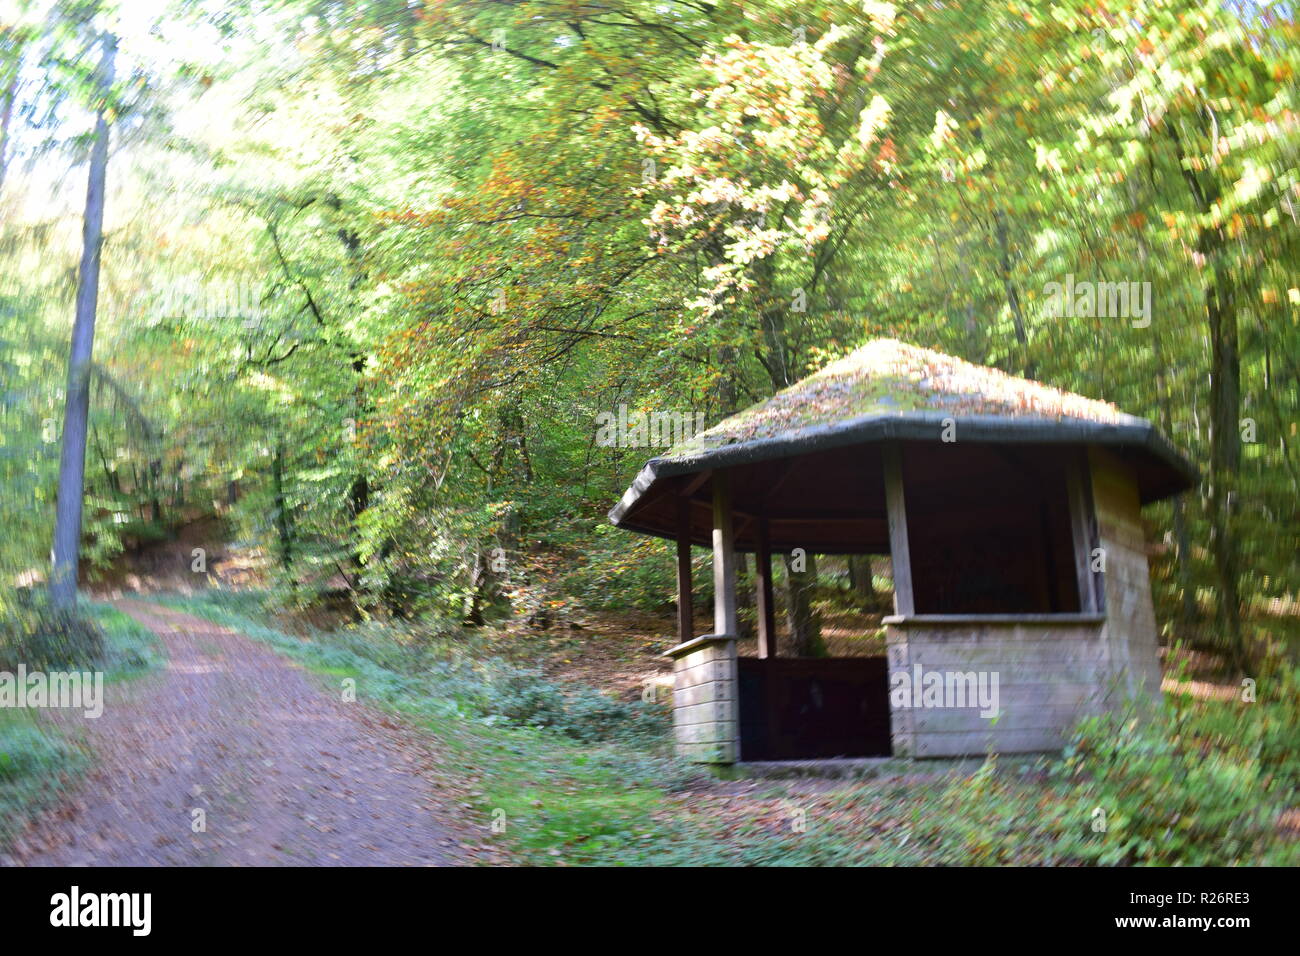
(42,637)
(1168,798)
(1196,782)
(33,766)
(523,696)
(26,751)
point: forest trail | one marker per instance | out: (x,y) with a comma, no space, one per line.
(284,772)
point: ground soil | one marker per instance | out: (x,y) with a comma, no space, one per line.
(281,768)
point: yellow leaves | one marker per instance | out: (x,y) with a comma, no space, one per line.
(945,129)
(881,15)
(872,119)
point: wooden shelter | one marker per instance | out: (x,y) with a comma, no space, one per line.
(1010,511)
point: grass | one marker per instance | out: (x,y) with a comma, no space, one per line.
(39,760)
(1206,782)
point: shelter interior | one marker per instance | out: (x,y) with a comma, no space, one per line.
(991,529)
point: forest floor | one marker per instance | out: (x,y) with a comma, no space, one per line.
(245,723)
(232,755)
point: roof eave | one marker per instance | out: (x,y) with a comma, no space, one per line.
(913,426)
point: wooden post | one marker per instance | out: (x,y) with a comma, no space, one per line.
(1076,473)
(724,558)
(896,507)
(763,580)
(685,608)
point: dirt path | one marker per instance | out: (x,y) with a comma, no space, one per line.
(285,773)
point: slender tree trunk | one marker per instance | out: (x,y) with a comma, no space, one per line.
(1009,287)
(283,527)
(744,598)
(1184,561)
(1002,235)
(72,457)
(155,491)
(110,476)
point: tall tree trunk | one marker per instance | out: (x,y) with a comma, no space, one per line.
(1225,455)
(804,621)
(72,457)
(1164,397)
(1219,296)
(1002,236)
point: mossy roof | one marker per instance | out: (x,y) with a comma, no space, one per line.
(891,390)
(890,378)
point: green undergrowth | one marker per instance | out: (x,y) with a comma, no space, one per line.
(567,779)
(39,759)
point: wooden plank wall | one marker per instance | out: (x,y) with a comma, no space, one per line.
(705,720)
(1131,630)
(1049,676)
(1050,673)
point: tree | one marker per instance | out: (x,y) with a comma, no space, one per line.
(72,457)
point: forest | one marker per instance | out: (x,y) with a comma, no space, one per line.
(354,319)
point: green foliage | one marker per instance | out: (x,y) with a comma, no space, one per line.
(1195,784)
(44,638)
(613,573)
(34,764)
(26,752)
(523,696)
(406,401)
(1171,802)
(37,759)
